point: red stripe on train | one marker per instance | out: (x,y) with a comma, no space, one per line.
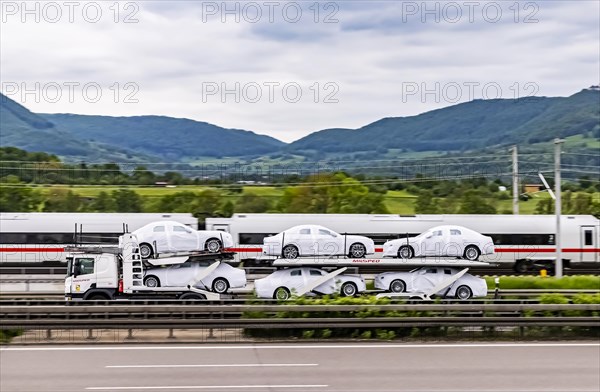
(32,249)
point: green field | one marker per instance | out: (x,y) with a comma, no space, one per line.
(397,202)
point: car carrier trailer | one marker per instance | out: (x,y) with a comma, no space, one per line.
(114,273)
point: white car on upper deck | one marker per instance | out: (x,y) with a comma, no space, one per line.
(171,236)
(315,240)
(443,241)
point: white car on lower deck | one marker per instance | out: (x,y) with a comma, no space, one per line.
(423,279)
(442,241)
(282,284)
(219,281)
(315,240)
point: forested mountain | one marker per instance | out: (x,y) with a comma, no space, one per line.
(468,126)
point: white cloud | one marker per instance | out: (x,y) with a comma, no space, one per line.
(373,49)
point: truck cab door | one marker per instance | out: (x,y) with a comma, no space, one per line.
(589,244)
(84,274)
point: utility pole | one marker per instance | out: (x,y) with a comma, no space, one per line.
(557,207)
(515,180)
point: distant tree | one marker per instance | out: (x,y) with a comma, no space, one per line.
(126,200)
(102,203)
(331,193)
(544,207)
(141,175)
(62,200)
(426,204)
(249,202)
(15,197)
(472,202)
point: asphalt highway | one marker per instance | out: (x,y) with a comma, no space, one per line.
(476,367)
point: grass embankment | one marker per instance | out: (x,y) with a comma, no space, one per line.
(574,282)
(420,332)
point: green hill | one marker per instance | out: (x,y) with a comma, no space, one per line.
(170,138)
(468,126)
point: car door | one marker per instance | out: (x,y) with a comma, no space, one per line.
(454,243)
(295,280)
(433,243)
(305,240)
(183,238)
(328,242)
(159,236)
(179,275)
(425,278)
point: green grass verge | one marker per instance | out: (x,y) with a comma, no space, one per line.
(575,282)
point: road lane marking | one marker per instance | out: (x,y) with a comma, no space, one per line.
(205,387)
(300,346)
(213,365)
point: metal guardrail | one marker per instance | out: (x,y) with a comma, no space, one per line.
(232,316)
(503,293)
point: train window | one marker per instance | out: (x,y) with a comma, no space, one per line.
(13,238)
(252,238)
(587,237)
(522,239)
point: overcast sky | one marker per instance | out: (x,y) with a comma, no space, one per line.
(353,62)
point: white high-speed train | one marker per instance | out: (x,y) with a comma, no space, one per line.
(521,240)
(41,237)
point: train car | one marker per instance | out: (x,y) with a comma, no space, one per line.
(40,238)
(524,241)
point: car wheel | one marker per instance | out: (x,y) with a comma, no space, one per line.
(290,252)
(213,245)
(281,293)
(349,289)
(358,250)
(471,253)
(397,286)
(146,251)
(521,266)
(405,252)
(464,293)
(151,281)
(220,285)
